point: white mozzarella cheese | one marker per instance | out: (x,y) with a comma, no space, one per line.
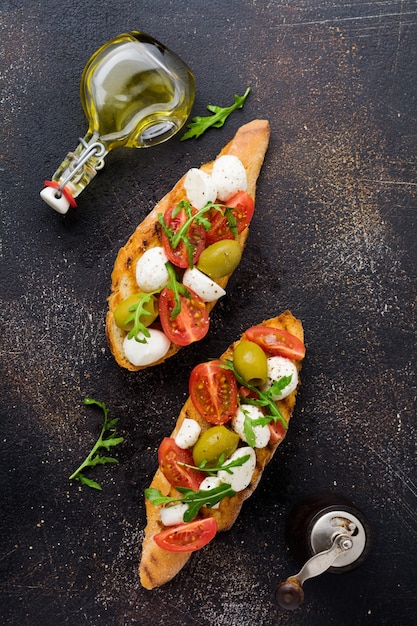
(211,482)
(261,432)
(151,271)
(279,366)
(174,514)
(240,476)
(202,285)
(188,433)
(229,176)
(156,346)
(199,187)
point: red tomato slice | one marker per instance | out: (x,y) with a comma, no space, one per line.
(242,206)
(213,392)
(244,392)
(196,234)
(276,342)
(191,324)
(187,537)
(169,458)
(277,431)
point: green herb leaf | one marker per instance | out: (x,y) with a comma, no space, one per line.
(138,310)
(279,385)
(177,288)
(181,235)
(195,500)
(248,428)
(200,124)
(222,465)
(106,440)
(264,398)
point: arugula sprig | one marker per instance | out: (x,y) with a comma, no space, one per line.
(195,500)
(177,288)
(181,235)
(262,399)
(137,311)
(222,464)
(200,124)
(107,439)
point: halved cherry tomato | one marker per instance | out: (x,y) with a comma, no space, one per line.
(191,324)
(276,342)
(242,206)
(277,431)
(196,235)
(170,457)
(244,392)
(187,537)
(213,392)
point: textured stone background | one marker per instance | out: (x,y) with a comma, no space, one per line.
(333,239)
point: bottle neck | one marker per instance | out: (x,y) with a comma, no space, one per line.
(79,167)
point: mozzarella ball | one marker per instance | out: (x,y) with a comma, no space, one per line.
(202,285)
(279,366)
(174,514)
(240,476)
(151,271)
(188,433)
(210,482)
(199,187)
(156,346)
(229,176)
(261,432)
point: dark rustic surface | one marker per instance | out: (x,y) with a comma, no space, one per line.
(333,239)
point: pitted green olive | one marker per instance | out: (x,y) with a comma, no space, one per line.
(220,259)
(213,443)
(251,363)
(121,312)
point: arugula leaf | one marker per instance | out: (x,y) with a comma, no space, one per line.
(194,499)
(264,398)
(137,311)
(222,465)
(107,439)
(175,238)
(231,221)
(177,288)
(200,124)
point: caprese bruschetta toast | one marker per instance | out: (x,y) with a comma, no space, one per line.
(228,430)
(177,263)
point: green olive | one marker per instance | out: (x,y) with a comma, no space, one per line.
(251,363)
(214,442)
(220,259)
(122,312)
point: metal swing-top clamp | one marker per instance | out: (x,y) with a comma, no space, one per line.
(89,160)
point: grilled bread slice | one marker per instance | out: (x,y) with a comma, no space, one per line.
(249,145)
(157,565)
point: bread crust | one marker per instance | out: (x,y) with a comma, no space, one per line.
(158,566)
(249,145)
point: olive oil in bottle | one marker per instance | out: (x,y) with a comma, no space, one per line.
(135,93)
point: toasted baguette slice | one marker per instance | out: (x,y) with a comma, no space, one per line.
(158,566)
(249,145)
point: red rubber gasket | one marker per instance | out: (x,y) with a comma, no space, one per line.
(67,195)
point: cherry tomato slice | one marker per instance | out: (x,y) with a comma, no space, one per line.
(277,342)
(242,206)
(213,392)
(196,235)
(277,431)
(170,457)
(191,324)
(187,537)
